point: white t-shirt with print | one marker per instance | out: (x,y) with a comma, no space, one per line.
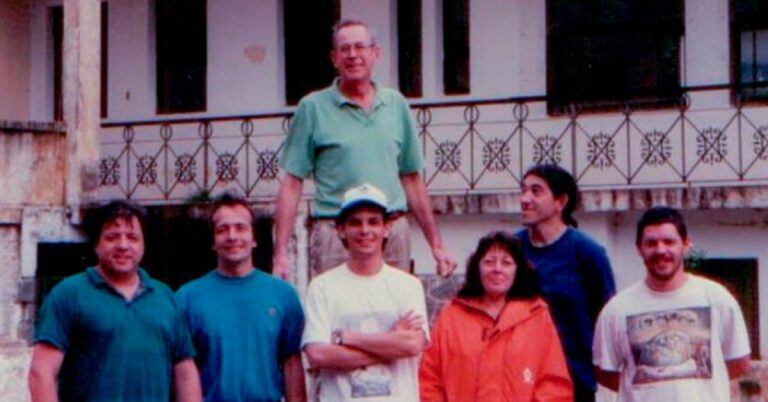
(671,346)
(340,299)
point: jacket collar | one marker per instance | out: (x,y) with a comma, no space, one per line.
(513,313)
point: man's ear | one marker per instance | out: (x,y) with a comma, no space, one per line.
(387,228)
(687,245)
(561,201)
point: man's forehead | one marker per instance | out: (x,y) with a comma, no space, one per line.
(127,222)
(352,33)
(534,181)
(665,230)
(231,213)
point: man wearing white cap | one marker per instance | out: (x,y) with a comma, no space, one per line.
(365,323)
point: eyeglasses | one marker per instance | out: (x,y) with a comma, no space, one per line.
(359,47)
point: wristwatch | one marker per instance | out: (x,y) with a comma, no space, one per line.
(337,338)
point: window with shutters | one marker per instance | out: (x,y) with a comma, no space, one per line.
(181,55)
(749,26)
(409,47)
(308,26)
(604,53)
(456,47)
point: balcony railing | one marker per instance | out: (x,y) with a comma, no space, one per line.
(476,146)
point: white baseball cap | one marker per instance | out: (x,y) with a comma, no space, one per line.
(363,194)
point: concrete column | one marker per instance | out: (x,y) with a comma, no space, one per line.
(82,75)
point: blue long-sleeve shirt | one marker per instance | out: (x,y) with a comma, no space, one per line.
(576,280)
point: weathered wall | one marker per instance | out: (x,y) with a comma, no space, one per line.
(21,229)
(14,59)
(14,363)
(32,166)
(10,260)
(32,176)
(14,352)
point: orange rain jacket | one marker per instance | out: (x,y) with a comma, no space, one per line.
(516,358)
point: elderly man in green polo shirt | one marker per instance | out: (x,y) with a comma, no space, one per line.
(350,133)
(112,333)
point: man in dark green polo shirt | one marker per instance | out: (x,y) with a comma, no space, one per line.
(112,333)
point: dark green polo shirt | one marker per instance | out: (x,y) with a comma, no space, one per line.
(114,349)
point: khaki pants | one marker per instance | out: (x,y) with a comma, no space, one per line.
(326,250)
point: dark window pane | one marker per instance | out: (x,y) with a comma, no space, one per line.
(56,261)
(409,47)
(104,57)
(181,55)
(456,46)
(57,35)
(749,43)
(604,52)
(308,45)
(754,63)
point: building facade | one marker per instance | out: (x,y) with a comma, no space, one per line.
(646,103)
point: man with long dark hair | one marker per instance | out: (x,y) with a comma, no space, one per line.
(573,270)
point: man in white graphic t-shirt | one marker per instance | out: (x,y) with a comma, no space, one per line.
(674,336)
(366,322)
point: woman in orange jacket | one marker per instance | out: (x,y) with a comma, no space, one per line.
(495,341)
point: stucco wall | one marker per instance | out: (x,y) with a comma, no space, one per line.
(14,364)
(32,166)
(10,260)
(14,60)
(14,353)
(32,179)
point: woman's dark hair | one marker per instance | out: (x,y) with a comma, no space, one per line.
(524,285)
(561,183)
(97,216)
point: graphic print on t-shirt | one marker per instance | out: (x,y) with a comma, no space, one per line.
(671,344)
(374,380)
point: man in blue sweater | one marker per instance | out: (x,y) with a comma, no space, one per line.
(246,325)
(574,272)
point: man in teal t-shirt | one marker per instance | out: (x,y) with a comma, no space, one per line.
(354,132)
(246,325)
(112,333)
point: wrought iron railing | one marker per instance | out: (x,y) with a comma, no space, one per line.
(475,146)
